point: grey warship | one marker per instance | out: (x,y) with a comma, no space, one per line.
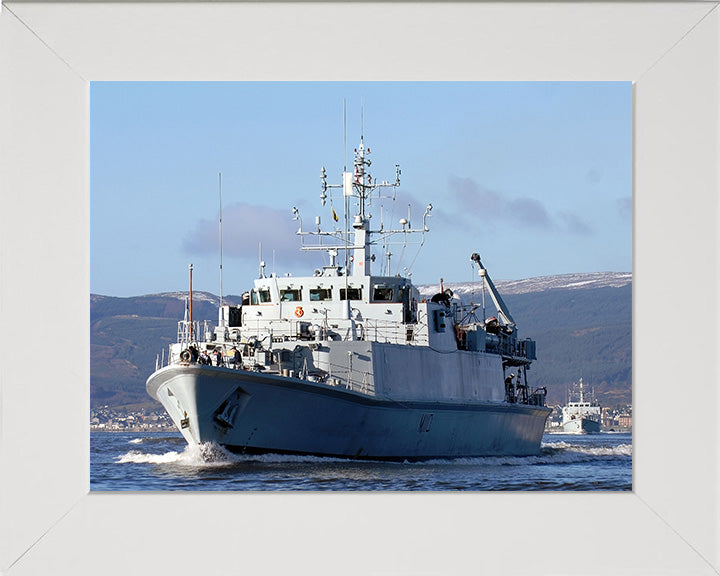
(582,414)
(346,363)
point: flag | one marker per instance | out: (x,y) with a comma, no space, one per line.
(335,216)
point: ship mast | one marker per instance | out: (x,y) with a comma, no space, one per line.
(190,307)
(359,186)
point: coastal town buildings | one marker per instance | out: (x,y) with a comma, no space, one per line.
(107,419)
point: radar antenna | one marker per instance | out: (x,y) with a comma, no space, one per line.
(357,188)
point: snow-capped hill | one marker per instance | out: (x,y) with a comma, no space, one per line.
(539,284)
(197,297)
(526,286)
(566,281)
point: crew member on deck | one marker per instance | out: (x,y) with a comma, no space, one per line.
(218,357)
(509,389)
(237,361)
(193,354)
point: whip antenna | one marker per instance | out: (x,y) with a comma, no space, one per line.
(190,304)
(362,119)
(221,238)
(344,136)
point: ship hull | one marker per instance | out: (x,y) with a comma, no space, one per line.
(581,426)
(251,412)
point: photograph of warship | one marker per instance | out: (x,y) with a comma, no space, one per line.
(582,414)
(351,364)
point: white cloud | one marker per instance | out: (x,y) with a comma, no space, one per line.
(529,212)
(474,201)
(244,226)
(573,224)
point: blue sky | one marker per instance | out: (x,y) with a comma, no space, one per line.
(536,177)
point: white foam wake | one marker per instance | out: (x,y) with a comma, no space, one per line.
(550,453)
(209,454)
(135,457)
(195,455)
(619,450)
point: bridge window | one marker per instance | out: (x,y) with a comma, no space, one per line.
(319,294)
(382,294)
(350,293)
(260,296)
(290,295)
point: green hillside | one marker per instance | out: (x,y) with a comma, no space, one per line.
(579,333)
(126,337)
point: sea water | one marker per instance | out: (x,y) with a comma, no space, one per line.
(164,461)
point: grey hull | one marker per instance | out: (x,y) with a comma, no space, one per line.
(581,426)
(252,412)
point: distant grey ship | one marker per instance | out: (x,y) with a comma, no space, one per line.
(347,363)
(582,414)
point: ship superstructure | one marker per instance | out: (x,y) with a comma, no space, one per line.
(346,362)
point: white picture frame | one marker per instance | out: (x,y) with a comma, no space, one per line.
(50,523)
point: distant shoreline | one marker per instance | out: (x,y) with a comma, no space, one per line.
(135,429)
(614,430)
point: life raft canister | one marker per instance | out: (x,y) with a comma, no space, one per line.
(299,312)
